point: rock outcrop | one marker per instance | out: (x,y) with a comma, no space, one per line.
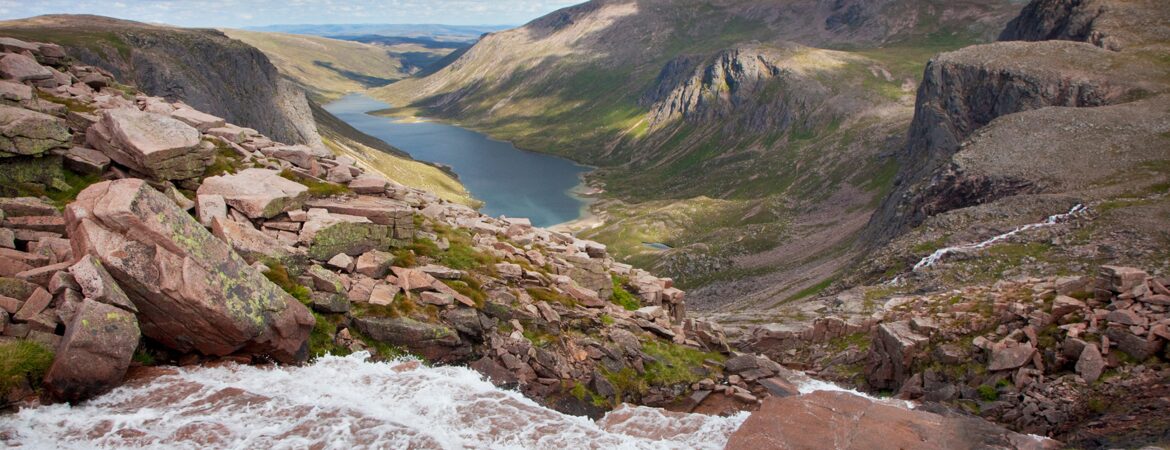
(841,420)
(94,353)
(192,291)
(24,132)
(158,61)
(155,145)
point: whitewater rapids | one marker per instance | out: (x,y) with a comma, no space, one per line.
(341,403)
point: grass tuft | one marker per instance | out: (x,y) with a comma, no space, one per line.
(22,361)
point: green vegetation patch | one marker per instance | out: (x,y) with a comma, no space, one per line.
(541,294)
(22,361)
(317,188)
(43,176)
(623,297)
(676,364)
(278,274)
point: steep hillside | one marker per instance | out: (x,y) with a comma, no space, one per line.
(326,68)
(377,155)
(1052,122)
(754,138)
(241,85)
(1018,268)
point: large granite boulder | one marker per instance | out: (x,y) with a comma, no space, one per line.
(152,144)
(25,132)
(257,193)
(192,291)
(94,354)
(22,68)
(845,421)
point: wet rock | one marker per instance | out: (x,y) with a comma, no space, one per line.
(94,354)
(778,387)
(257,193)
(844,421)
(192,291)
(24,132)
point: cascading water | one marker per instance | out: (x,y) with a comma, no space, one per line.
(938,255)
(344,402)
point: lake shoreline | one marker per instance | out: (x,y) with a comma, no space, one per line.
(511,181)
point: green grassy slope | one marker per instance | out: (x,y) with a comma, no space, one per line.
(755,164)
(327,68)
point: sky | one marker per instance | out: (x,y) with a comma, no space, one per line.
(247,13)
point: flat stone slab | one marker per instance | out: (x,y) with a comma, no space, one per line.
(153,144)
(257,193)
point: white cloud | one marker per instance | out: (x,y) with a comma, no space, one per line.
(232,13)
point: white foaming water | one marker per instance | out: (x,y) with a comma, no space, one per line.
(342,403)
(810,385)
(1051,220)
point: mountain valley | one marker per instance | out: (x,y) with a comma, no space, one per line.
(882,224)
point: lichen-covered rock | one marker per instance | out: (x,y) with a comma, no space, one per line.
(433,342)
(192,291)
(94,353)
(24,132)
(153,144)
(257,193)
(351,238)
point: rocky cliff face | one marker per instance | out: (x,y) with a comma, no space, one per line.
(966,90)
(241,85)
(732,89)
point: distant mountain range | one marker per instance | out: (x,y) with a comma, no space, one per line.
(448,33)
